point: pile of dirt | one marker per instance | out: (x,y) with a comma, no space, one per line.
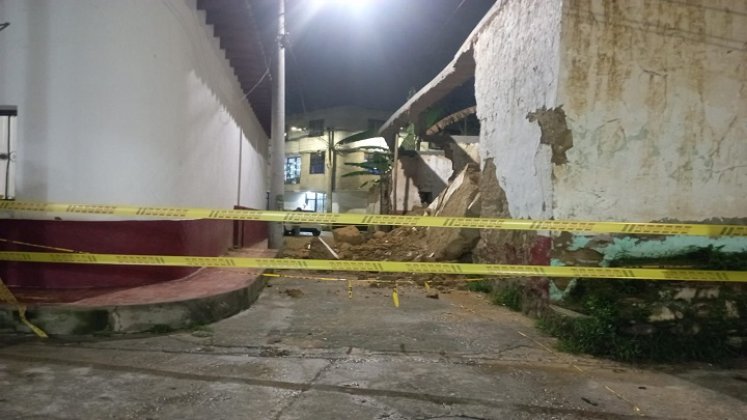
(347,234)
(460,198)
(420,244)
(401,244)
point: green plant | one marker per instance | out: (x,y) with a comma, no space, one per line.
(379,163)
(510,296)
(481,286)
(606,331)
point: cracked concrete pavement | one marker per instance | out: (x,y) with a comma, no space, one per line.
(320,355)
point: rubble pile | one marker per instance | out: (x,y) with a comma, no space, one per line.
(460,198)
(407,243)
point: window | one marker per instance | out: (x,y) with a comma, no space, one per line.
(7,152)
(315,201)
(316,128)
(293,169)
(374,124)
(316,165)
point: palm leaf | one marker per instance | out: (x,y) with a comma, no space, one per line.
(363,135)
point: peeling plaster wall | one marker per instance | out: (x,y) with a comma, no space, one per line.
(516,73)
(655,93)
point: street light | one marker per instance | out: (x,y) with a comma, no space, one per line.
(356,5)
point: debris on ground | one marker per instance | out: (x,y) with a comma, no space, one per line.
(407,243)
(347,234)
(319,249)
(461,198)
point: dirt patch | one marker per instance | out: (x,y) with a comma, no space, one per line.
(294,293)
(296,247)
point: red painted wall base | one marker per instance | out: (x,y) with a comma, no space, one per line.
(188,237)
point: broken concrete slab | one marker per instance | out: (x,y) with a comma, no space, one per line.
(461,199)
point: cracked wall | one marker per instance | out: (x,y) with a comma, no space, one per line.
(516,69)
(610,110)
(510,246)
(516,72)
(655,96)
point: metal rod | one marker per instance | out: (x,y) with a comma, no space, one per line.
(7,166)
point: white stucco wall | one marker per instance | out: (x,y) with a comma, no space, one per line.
(656,96)
(126,102)
(516,72)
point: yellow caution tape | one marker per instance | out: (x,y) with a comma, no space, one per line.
(377,219)
(380,266)
(22,314)
(7,296)
(271,275)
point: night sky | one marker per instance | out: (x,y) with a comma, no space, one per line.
(371,52)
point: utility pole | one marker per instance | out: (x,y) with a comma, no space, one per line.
(394,173)
(332,164)
(277,163)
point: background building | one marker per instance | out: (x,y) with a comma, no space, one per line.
(310,164)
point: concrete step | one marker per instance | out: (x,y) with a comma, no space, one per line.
(209,295)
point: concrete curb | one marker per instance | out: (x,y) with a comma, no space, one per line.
(67,319)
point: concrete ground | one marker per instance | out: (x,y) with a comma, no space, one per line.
(306,350)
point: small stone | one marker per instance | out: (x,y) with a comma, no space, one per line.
(686,293)
(709,293)
(662,314)
(731,309)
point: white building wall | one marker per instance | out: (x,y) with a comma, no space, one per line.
(656,97)
(126,102)
(516,73)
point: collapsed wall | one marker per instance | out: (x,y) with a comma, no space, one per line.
(459,198)
(616,111)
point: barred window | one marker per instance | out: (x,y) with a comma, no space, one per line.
(316,165)
(293,169)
